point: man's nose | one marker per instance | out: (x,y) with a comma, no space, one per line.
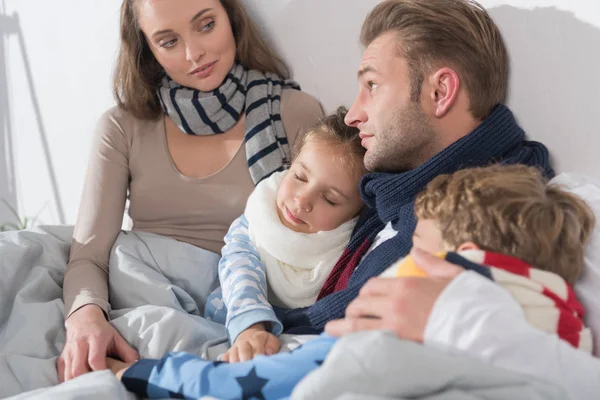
(356,114)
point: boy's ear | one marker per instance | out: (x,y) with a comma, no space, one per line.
(467,246)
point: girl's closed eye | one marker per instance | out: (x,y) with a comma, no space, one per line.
(299,178)
(330,202)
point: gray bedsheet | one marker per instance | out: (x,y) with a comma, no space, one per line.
(158,291)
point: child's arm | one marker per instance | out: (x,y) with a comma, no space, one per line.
(244,284)
(182,374)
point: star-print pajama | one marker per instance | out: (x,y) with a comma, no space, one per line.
(185,376)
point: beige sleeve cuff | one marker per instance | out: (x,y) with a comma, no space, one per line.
(92,284)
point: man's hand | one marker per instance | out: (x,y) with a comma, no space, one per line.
(117,367)
(402,305)
(252,342)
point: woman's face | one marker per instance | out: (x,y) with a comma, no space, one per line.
(191,39)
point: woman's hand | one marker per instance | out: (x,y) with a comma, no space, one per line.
(252,342)
(90,338)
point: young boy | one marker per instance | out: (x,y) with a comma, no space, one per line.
(501,221)
(505,223)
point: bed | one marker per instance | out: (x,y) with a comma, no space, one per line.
(32,262)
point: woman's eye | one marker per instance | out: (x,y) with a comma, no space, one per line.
(168,43)
(208,27)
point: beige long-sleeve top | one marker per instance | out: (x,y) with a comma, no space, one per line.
(131,157)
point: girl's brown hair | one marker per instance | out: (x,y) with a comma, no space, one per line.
(333,130)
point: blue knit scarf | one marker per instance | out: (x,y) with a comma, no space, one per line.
(389,198)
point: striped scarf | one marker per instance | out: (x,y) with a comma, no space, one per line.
(548,302)
(252,92)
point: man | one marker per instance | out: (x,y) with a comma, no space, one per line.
(432,82)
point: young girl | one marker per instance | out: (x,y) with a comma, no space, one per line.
(294,229)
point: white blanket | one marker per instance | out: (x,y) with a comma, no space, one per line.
(369,365)
(158,290)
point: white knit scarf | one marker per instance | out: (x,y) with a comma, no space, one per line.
(297,264)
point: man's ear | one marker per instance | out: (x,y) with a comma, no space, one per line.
(468,246)
(445,85)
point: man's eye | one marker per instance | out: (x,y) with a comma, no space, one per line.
(372,85)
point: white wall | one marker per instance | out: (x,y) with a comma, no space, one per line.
(555,58)
(71,46)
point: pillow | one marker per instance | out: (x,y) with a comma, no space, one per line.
(587,287)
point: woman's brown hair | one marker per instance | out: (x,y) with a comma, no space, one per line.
(138,73)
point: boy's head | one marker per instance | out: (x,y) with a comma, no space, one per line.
(320,191)
(509,210)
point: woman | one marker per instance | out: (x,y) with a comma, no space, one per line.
(203,113)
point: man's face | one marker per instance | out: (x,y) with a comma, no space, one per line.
(395,130)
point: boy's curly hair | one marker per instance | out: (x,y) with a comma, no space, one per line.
(511,210)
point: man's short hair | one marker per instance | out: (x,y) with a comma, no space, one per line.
(511,210)
(456,33)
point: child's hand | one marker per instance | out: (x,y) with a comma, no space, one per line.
(252,342)
(117,367)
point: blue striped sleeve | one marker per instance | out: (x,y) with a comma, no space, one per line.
(244,283)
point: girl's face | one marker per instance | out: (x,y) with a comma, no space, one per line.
(191,39)
(320,192)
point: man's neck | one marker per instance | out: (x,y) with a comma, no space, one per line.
(458,122)
(455,127)
(450,129)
